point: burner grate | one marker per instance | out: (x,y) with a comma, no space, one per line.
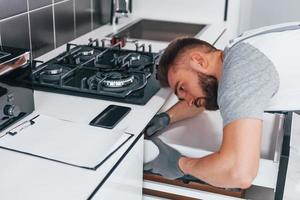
(52,73)
(110,73)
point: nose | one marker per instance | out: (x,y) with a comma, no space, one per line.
(189,99)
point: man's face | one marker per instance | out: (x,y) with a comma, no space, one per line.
(194,87)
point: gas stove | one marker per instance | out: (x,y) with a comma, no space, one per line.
(16,96)
(105,71)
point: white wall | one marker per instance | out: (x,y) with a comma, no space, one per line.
(257,13)
(233,18)
(193,11)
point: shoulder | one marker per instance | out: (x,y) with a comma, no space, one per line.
(249,80)
(244,65)
(244,53)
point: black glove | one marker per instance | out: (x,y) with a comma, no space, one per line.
(166,163)
(158,122)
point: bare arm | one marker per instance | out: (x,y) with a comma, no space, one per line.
(181,110)
(235,165)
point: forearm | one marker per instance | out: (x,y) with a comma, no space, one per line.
(212,169)
(181,110)
(235,165)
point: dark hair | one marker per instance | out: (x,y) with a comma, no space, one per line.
(174,49)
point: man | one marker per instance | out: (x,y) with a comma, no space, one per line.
(255,73)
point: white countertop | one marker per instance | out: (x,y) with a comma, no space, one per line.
(27,177)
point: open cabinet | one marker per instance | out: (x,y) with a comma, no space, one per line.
(202,135)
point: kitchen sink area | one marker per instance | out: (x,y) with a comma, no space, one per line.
(157,30)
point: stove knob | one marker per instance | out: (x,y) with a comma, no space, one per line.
(11,110)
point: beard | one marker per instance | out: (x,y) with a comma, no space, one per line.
(209,85)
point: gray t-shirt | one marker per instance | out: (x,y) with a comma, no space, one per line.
(248,82)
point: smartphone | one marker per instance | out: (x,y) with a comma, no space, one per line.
(110,116)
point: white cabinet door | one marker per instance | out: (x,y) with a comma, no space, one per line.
(292,182)
(127,180)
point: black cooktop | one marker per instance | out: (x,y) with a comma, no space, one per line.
(109,73)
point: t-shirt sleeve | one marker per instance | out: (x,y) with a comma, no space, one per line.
(249,80)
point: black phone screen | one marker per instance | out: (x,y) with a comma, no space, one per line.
(110,116)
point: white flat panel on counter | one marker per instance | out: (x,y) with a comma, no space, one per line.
(66,142)
(25,177)
(83,110)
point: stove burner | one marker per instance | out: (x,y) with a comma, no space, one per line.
(112,81)
(116,79)
(135,59)
(135,56)
(87,53)
(54,69)
(53,72)
(105,64)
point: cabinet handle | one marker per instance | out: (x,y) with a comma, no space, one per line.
(279,130)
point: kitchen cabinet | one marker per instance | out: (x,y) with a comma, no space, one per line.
(27,177)
(202,135)
(125,182)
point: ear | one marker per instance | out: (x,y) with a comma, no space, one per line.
(198,62)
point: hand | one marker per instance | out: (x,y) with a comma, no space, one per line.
(166,163)
(158,122)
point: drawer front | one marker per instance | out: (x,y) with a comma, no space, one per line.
(176,192)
